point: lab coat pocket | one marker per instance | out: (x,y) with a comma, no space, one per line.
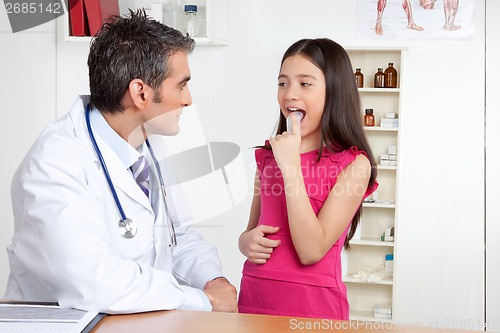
(141,246)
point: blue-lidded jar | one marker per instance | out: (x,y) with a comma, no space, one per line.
(191,20)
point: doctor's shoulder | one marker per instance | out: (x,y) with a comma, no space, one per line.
(57,149)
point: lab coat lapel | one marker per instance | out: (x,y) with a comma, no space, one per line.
(161,231)
(77,114)
(121,177)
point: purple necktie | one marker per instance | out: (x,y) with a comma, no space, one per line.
(140,171)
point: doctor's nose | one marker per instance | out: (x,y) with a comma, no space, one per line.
(186,97)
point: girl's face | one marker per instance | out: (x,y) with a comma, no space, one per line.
(302,87)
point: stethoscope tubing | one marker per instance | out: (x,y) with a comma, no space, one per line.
(173,236)
(126,221)
(103,164)
(157,167)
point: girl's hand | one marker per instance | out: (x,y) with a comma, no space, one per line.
(255,246)
(286,146)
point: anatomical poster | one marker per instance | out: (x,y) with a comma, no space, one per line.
(415,19)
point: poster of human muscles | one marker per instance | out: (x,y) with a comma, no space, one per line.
(415,19)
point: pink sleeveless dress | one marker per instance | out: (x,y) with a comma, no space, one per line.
(283,286)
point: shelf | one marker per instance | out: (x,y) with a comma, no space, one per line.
(381,129)
(379,90)
(370,241)
(350,279)
(205,41)
(387,167)
(378,215)
(378,205)
(366,316)
(215,25)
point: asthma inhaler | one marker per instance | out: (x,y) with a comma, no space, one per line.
(297,114)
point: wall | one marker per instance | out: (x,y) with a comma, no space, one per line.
(492,166)
(27,92)
(440,264)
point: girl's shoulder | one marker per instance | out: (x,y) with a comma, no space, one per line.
(262,151)
(343,157)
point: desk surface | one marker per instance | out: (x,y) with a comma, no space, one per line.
(202,322)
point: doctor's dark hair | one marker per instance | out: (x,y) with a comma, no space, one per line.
(131,47)
(341,126)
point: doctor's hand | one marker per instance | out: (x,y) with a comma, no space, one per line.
(222,295)
(255,246)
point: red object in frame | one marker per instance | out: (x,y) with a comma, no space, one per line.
(98,11)
(79,24)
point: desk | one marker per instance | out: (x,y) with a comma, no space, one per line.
(180,321)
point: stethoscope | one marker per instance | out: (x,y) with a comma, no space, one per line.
(127,227)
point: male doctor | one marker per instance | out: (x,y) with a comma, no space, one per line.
(68,245)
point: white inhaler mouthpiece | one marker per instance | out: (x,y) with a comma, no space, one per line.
(297,114)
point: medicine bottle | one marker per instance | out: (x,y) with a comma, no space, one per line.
(389,263)
(391,77)
(191,21)
(369,117)
(171,15)
(359,77)
(378,80)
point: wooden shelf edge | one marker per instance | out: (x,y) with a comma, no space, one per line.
(366,316)
(350,279)
(379,90)
(378,205)
(370,242)
(381,129)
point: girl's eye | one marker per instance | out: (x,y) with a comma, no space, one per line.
(305,84)
(282,84)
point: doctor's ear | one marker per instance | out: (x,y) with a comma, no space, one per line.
(138,92)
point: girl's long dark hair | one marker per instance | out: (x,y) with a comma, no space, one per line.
(341,126)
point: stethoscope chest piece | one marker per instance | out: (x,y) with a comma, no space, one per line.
(127,227)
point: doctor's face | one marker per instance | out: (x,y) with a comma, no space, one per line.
(170,98)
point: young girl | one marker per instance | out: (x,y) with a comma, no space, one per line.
(309,187)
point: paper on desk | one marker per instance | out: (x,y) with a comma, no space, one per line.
(42,318)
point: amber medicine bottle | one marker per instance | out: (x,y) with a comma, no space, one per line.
(391,77)
(379,78)
(359,77)
(369,117)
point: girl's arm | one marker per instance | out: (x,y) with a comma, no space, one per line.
(252,242)
(313,236)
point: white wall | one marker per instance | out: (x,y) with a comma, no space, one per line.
(27,92)
(492,166)
(440,253)
(441,215)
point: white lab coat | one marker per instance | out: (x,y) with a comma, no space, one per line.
(67,247)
